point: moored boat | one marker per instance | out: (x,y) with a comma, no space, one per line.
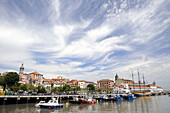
(74,101)
(117,98)
(38,105)
(129,97)
(87,101)
(141,94)
(51,104)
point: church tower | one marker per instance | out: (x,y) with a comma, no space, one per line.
(21,71)
(116,77)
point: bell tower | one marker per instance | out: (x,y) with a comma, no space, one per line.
(21,71)
(116,77)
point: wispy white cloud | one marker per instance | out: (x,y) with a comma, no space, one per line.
(115,37)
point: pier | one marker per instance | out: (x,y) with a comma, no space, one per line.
(16,99)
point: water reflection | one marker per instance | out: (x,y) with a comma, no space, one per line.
(155,104)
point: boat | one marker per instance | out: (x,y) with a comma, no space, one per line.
(106,98)
(87,100)
(98,97)
(131,96)
(51,104)
(141,94)
(38,105)
(74,101)
(117,98)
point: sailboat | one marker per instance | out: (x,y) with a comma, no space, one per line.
(141,93)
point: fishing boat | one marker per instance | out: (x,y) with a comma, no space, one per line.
(74,101)
(129,97)
(99,97)
(51,104)
(38,105)
(106,98)
(117,98)
(87,100)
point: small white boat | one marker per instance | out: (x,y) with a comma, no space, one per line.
(38,105)
(51,104)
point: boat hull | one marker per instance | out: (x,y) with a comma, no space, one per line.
(50,106)
(138,94)
(83,101)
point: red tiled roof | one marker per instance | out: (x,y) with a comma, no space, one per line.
(159,87)
(74,80)
(34,79)
(56,79)
(48,80)
(36,73)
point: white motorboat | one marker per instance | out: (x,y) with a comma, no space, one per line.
(51,104)
(38,105)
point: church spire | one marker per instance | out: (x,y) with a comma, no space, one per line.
(21,71)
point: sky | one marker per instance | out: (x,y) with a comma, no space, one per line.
(87,39)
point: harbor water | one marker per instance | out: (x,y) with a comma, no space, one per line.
(153,104)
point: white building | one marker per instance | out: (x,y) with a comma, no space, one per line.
(81,84)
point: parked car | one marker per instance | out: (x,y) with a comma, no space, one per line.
(34,93)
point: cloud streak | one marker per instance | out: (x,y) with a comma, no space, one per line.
(86,40)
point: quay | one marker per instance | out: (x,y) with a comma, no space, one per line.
(16,99)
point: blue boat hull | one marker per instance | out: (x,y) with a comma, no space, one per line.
(50,107)
(131,97)
(118,99)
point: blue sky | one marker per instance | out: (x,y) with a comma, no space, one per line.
(87,39)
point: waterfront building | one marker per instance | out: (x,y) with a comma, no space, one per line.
(59,84)
(154,88)
(119,81)
(81,84)
(35,78)
(105,83)
(73,83)
(120,89)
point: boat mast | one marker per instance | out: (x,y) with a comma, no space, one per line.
(139,80)
(144,80)
(133,81)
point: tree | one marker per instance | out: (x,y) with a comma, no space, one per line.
(91,87)
(66,88)
(31,88)
(2,82)
(24,87)
(48,88)
(54,90)
(99,90)
(60,89)
(52,84)
(41,89)
(16,87)
(11,78)
(78,88)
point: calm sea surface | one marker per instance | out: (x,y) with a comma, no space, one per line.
(153,104)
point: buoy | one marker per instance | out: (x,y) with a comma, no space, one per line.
(66,104)
(97,101)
